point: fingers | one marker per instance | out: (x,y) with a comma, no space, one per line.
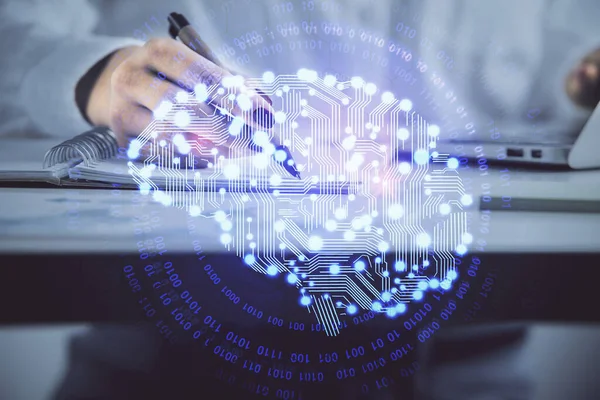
(191,71)
(583,82)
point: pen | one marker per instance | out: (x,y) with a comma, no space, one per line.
(179,28)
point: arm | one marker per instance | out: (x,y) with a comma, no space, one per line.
(48,49)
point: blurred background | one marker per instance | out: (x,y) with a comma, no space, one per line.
(562,359)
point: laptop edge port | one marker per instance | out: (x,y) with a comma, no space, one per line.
(514,152)
(536,153)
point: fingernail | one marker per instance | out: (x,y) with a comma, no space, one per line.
(263,117)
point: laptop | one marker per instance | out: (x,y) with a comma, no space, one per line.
(580,152)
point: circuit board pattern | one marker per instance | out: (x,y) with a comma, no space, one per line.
(363,230)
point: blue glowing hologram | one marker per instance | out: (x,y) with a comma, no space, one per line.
(362,231)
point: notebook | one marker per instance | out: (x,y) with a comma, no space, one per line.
(93,159)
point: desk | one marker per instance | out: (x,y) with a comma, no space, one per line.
(63,227)
(84,220)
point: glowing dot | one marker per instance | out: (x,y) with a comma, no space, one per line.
(231,171)
(445,208)
(405,105)
(286,88)
(349,142)
(467,238)
(249,259)
(387,97)
(268,77)
(421,157)
(249,236)
(261,160)
(396,211)
(182,118)
(466,199)
(334,269)
(434,283)
(370,89)
(461,249)
(162,110)
(305,300)
(304,113)
(351,309)
(244,102)
(359,265)
(279,93)
(280,117)
(445,284)
(340,213)
(307,75)
(400,308)
(383,247)
(181,97)
(349,235)
(423,239)
(345,101)
(315,243)
(162,143)
(422,285)
(391,312)
(280,155)
(376,306)
(201,92)
(340,86)
(329,80)
(452,275)
(331,225)
(261,138)
(402,134)
(226,225)
(220,216)
(377,260)
(386,296)
(292,278)
(415,267)
(272,270)
(404,168)
(357,82)
(226,238)
(417,295)
(426,263)
(133,151)
(452,163)
(400,266)
(275,180)
(433,130)
(279,226)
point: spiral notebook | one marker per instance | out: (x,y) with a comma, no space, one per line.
(92,159)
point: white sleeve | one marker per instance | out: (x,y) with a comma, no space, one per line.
(47,47)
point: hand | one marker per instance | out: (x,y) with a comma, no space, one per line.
(138,79)
(583,82)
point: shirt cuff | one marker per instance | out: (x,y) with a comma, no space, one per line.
(48,90)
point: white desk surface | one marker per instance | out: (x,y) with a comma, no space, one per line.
(40,220)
